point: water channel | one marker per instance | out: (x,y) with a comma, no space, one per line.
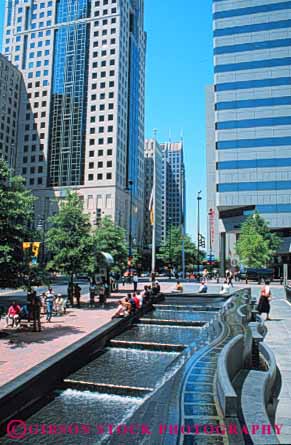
(109,389)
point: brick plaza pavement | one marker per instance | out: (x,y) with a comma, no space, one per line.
(21,349)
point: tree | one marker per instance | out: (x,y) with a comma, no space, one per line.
(16,210)
(171,250)
(256,244)
(111,238)
(69,238)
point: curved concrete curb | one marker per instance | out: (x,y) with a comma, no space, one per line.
(230,362)
(259,406)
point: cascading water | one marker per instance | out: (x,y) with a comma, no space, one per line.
(124,365)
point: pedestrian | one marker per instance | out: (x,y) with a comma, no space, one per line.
(264,301)
(135,282)
(49,301)
(35,308)
(92,292)
(123,280)
(71,293)
(77,292)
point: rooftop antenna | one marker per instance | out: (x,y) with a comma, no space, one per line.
(182,135)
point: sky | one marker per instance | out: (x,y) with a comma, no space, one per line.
(178,68)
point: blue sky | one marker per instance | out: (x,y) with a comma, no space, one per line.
(179,66)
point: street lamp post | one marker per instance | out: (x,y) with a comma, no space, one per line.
(198,229)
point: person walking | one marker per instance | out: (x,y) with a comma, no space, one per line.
(35,309)
(49,301)
(92,291)
(135,282)
(77,294)
(264,306)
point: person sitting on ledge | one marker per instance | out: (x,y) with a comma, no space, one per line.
(179,286)
(139,296)
(137,301)
(202,288)
(13,314)
(132,303)
(121,310)
(225,288)
(156,288)
(146,294)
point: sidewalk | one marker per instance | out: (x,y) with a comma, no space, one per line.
(279,340)
(20,350)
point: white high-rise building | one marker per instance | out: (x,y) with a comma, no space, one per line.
(250,145)
(83,63)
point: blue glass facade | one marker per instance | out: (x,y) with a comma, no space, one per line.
(252,134)
(255,46)
(255,64)
(253,186)
(258,27)
(248,84)
(252,10)
(270,208)
(254,143)
(253,103)
(133,100)
(68,102)
(251,123)
(254,163)
(133,127)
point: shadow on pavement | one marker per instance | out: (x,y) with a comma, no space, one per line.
(20,338)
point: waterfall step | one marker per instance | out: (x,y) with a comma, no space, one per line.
(186,308)
(147,345)
(178,323)
(130,391)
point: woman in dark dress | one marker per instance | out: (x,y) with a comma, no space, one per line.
(264,302)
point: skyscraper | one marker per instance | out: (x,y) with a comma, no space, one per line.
(252,45)
(11,86)
(153,159)
(83,63)
(173,173)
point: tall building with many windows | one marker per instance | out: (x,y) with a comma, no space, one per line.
(11,86)
(83,63)
(153,166)
(252,104)
(174,184)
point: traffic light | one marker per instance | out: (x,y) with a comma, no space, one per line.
(201,241)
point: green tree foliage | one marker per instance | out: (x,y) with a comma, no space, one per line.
(256,244)
(16,210)
(111,238)
(69,238)
(171,251)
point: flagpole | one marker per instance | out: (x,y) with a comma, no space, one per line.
(154,206)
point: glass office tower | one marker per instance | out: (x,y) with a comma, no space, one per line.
(252,104)
(83,65)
